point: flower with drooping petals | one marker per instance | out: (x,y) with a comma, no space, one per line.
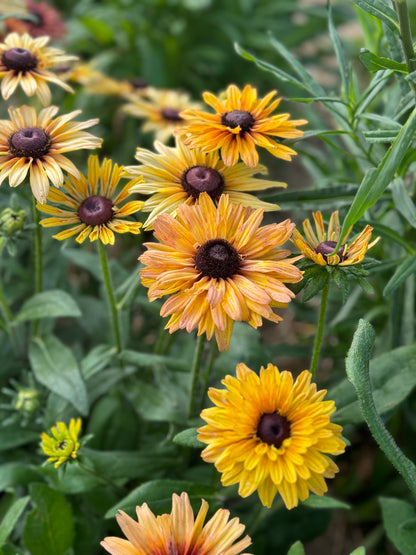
(319,246)
(27,61)
(178,532)
(271,434)
(46,20)
(240,123)
(34,143)
(219,266)
(63,445)
(91,205)
(174,176)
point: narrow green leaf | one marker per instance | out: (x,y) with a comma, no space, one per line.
(151,359)
(188,438)
(381,10)
(296,549)
(406,269)
(325,502)
(55,367)
(339,52)
(377,179)
(96,360)
(11,518)
(375,63)
(380,136)
(14,436)
(395,515)
(403,202)
(49,528)
(48,304)
(17,474)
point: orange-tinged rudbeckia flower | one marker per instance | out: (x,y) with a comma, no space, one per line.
(241,123)
(219,266)
(271,434)
(178,532)
(319,245)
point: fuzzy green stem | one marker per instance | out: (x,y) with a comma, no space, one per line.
(110,295)
(212,355)
(406,35)
(38,258)
(320,330)
(196,366)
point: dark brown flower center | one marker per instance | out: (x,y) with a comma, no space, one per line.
(273,428)
(171,114)
(237,118)
(327,247)
(217,258)
(19,59)
(96,210)
(202,179)
(30,142)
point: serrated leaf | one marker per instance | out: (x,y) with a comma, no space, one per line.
(48,304)
(55,367)
(404,270)
(395,514)
(11,518)
(325,502)
(188,438)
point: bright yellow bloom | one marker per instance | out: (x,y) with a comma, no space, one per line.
(63,445)
(240,123)
(179,175)
(91,204)
(318,246)
(269,434)
(160,108)
(26,61)
(34,143)
(178,532)
(219,266)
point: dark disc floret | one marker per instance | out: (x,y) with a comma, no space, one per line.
(30,142)
(273,428)
(327,247)
(171,114)
(237,118)
(202,179)
(19,59)
(217,258)
(96,210)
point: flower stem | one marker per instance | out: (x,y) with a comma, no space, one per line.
(8,320)
(38,259)
(110,295)
(320,330)
(406,34)
(205,377)
(196,365)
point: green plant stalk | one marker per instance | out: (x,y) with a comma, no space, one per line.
(196,366)
(8,319)
(205,377)
(406,36)
(38,258)
(110,296)
(320,330)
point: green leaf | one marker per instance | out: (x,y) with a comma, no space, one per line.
(406,269)
(359,551)
(316,284)
(404,204)
(324,502)
(379,9)
(96,360)
(377,179)
(55,367)
(151,360)
(158,495)
(101,31)
(188,438)
(17,474)
(339,51)
(90,261)
(396,514)
(375,63)
(11,518)
(380,136)
(296,549)
(14,436)
(48,304)
(49,528)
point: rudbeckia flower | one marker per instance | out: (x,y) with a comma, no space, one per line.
(178,532)
(92,206)
(160,108)
(173,176)
(240,123)
(48,21)
(34,143)
(219,266)
(63,444)
(26,61)
(271,434)
(319,246)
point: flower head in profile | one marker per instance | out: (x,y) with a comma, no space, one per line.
(27,61)
(46,20)
(271,434)
(35,143)
(240,123)
(93,206)
(219,266)
(173,176)
(62,445)
(178,532)
(319,246)
(160,108)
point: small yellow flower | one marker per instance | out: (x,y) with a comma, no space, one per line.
(63,445)
(240,123)
(178,532)
(319,246)
(270,434)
